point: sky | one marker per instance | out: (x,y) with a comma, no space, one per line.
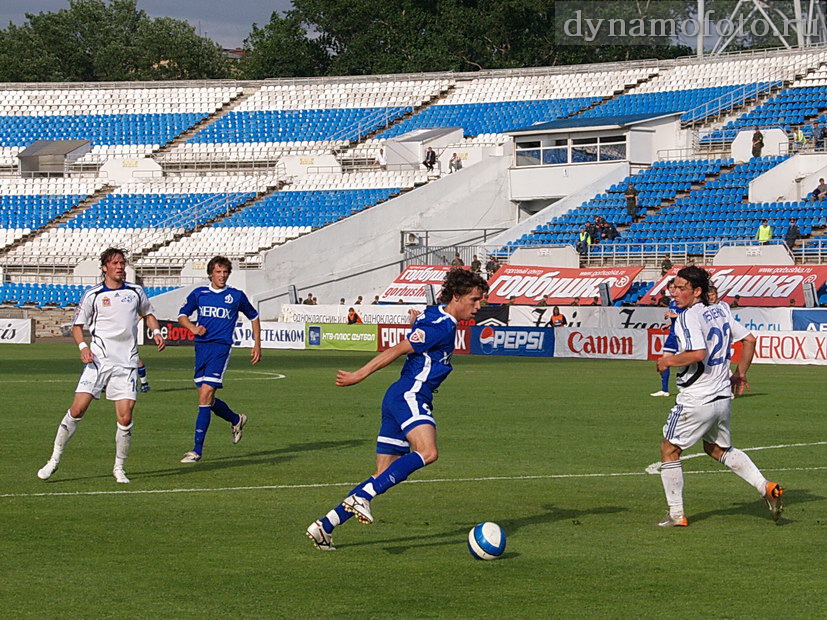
(226,21)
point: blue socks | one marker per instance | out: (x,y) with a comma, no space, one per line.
(664,380)
(398,472)
(142,372)
(222,410)
(339,515)
(202,423)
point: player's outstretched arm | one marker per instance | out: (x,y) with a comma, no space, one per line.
(345,378)
(255,354)
(738,381)
(152,323)
(85,353)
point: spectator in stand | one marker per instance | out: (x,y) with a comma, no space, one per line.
(342,301)
(430,159)
(352,317)
(492,266)
(665,266)
(358,301)
(375,300)
(584,241)
(512,300)
(455,163)
(609,231)
(819,136)
(575,301)
(541,303)
(476,265)
(457,262)
(736,302)
(799,140)
(308,301)
(381,160)
(820,192)
(557,318)
(591,228)
(792,235)
(764,233)
(757,142)
(631,202)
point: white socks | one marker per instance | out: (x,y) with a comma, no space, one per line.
(671,475)
(739,463)
(123,439)
(67,428)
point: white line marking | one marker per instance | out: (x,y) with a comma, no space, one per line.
(654,468)
(267,376)
(322,485)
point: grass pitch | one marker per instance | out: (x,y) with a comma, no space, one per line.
(553,450)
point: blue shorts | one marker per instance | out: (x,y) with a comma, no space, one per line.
(211,359)
(405,406)
(670,345)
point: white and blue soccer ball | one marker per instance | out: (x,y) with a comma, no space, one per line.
(486,541)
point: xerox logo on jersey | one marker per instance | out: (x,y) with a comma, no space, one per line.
(214,312)
(418,336)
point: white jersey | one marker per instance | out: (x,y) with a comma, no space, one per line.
(712,329)
(111,316)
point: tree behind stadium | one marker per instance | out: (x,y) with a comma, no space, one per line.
(94,41)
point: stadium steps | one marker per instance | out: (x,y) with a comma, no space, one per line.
(271,189)
(79,208)
(622,228)
(606,98)
(341,153)
(205,122)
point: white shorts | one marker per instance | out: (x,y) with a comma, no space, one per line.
(118,382)
(690,421)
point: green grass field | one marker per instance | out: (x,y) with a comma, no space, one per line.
(552,450)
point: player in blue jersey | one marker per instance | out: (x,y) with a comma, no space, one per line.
(218,306)
(670,345)
(407,434)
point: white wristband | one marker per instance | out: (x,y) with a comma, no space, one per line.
(156,332)
(83,346)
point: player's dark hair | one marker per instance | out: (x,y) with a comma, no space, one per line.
(460,282)
(671,282)
(109,253)
(219,260)
(698,278)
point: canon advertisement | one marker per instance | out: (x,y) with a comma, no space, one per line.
(618,344)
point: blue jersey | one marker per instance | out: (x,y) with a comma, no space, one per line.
(217,311)
(674,307)
(432,337)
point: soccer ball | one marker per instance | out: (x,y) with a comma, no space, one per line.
(486,541)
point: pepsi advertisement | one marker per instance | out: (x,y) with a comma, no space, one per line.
(528,341)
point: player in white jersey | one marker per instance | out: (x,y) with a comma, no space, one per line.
(705,334)
(110,312)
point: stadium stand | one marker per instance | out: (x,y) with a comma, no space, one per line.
(190,212)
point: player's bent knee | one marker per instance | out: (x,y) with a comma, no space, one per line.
(429,456)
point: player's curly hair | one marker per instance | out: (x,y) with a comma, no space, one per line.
(698,278)
(219,260)
(460,282)
(109,253)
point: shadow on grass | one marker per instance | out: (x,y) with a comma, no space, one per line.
(268,457)
(758,508)
(456,536)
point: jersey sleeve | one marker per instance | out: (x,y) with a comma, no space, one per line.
(424,336)
(246,307)
(83,314)
(144,305)
(190,305)
(689,332)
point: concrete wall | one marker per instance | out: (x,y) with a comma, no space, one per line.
(361,254)
(560,181)
(791,180)
(753,255)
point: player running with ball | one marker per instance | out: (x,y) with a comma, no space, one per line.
(407,435)
(705,332)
